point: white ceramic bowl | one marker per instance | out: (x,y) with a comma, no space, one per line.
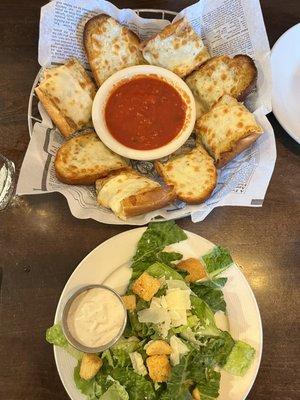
(98,112)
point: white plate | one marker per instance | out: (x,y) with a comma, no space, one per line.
(109,263)
(285,59)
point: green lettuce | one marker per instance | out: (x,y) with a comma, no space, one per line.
(137,386)
(167,258)
(217,261)
(115,392)
(91,388)
(102,387)
(159,270)
(201,365)
(121,350)
(210,292)
(194,368)
(138,328)
(240,359)
(55,336)
(216,350)
(150,247)
(179,382)
(207,325)
(209,385)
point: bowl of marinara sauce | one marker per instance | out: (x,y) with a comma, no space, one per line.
(144,112)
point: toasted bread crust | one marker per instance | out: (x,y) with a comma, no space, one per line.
(90,27)
(177,48)
(185,194)
(245,61)
(167,31)
(71,174)
(91,23)
(60,116)
(240,145)
(65,125)
(227,129)
(219,76)
(148,201)
(146,196)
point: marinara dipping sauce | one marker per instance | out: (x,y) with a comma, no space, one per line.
(145,113)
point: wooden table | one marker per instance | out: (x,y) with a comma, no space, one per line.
(41,242)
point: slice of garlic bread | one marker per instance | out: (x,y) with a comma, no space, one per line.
(177,48)
(227,129)
(193,175)
(110,47)
(67,94)
(222,75)
(129,194)
(83,159)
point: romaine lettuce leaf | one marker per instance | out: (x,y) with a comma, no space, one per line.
(216,350)
(159,270)
(209,385)
(115,392)
(121,350)
(207,325)
(138,387)
(91,388)
(240,359)
(55,336)
(216,261)
(167,258)
(201,372)
(194,368)
(138,328)
(157,236)
(179,382)
(210,292)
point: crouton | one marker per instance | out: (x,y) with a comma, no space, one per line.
(194,267)
(158,347)
(146,286)
(159,368)
(196,394)
(90,365)
(129,302)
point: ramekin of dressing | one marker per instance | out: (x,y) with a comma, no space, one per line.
(94,318)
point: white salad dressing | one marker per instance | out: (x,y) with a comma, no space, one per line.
(95,317)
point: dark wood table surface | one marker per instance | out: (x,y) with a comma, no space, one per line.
(41,242)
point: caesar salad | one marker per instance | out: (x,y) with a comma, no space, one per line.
(171,346)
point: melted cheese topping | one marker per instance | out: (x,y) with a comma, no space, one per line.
(113,49)
(226,123)
(121,187)
(180,51)
(209,85)
(65,90)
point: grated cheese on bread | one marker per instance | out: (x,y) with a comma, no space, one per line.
(177,48)
(193,175)
(84,159)
(227,129)
(110,47)
(222,75)
(128,194)
(67,94)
